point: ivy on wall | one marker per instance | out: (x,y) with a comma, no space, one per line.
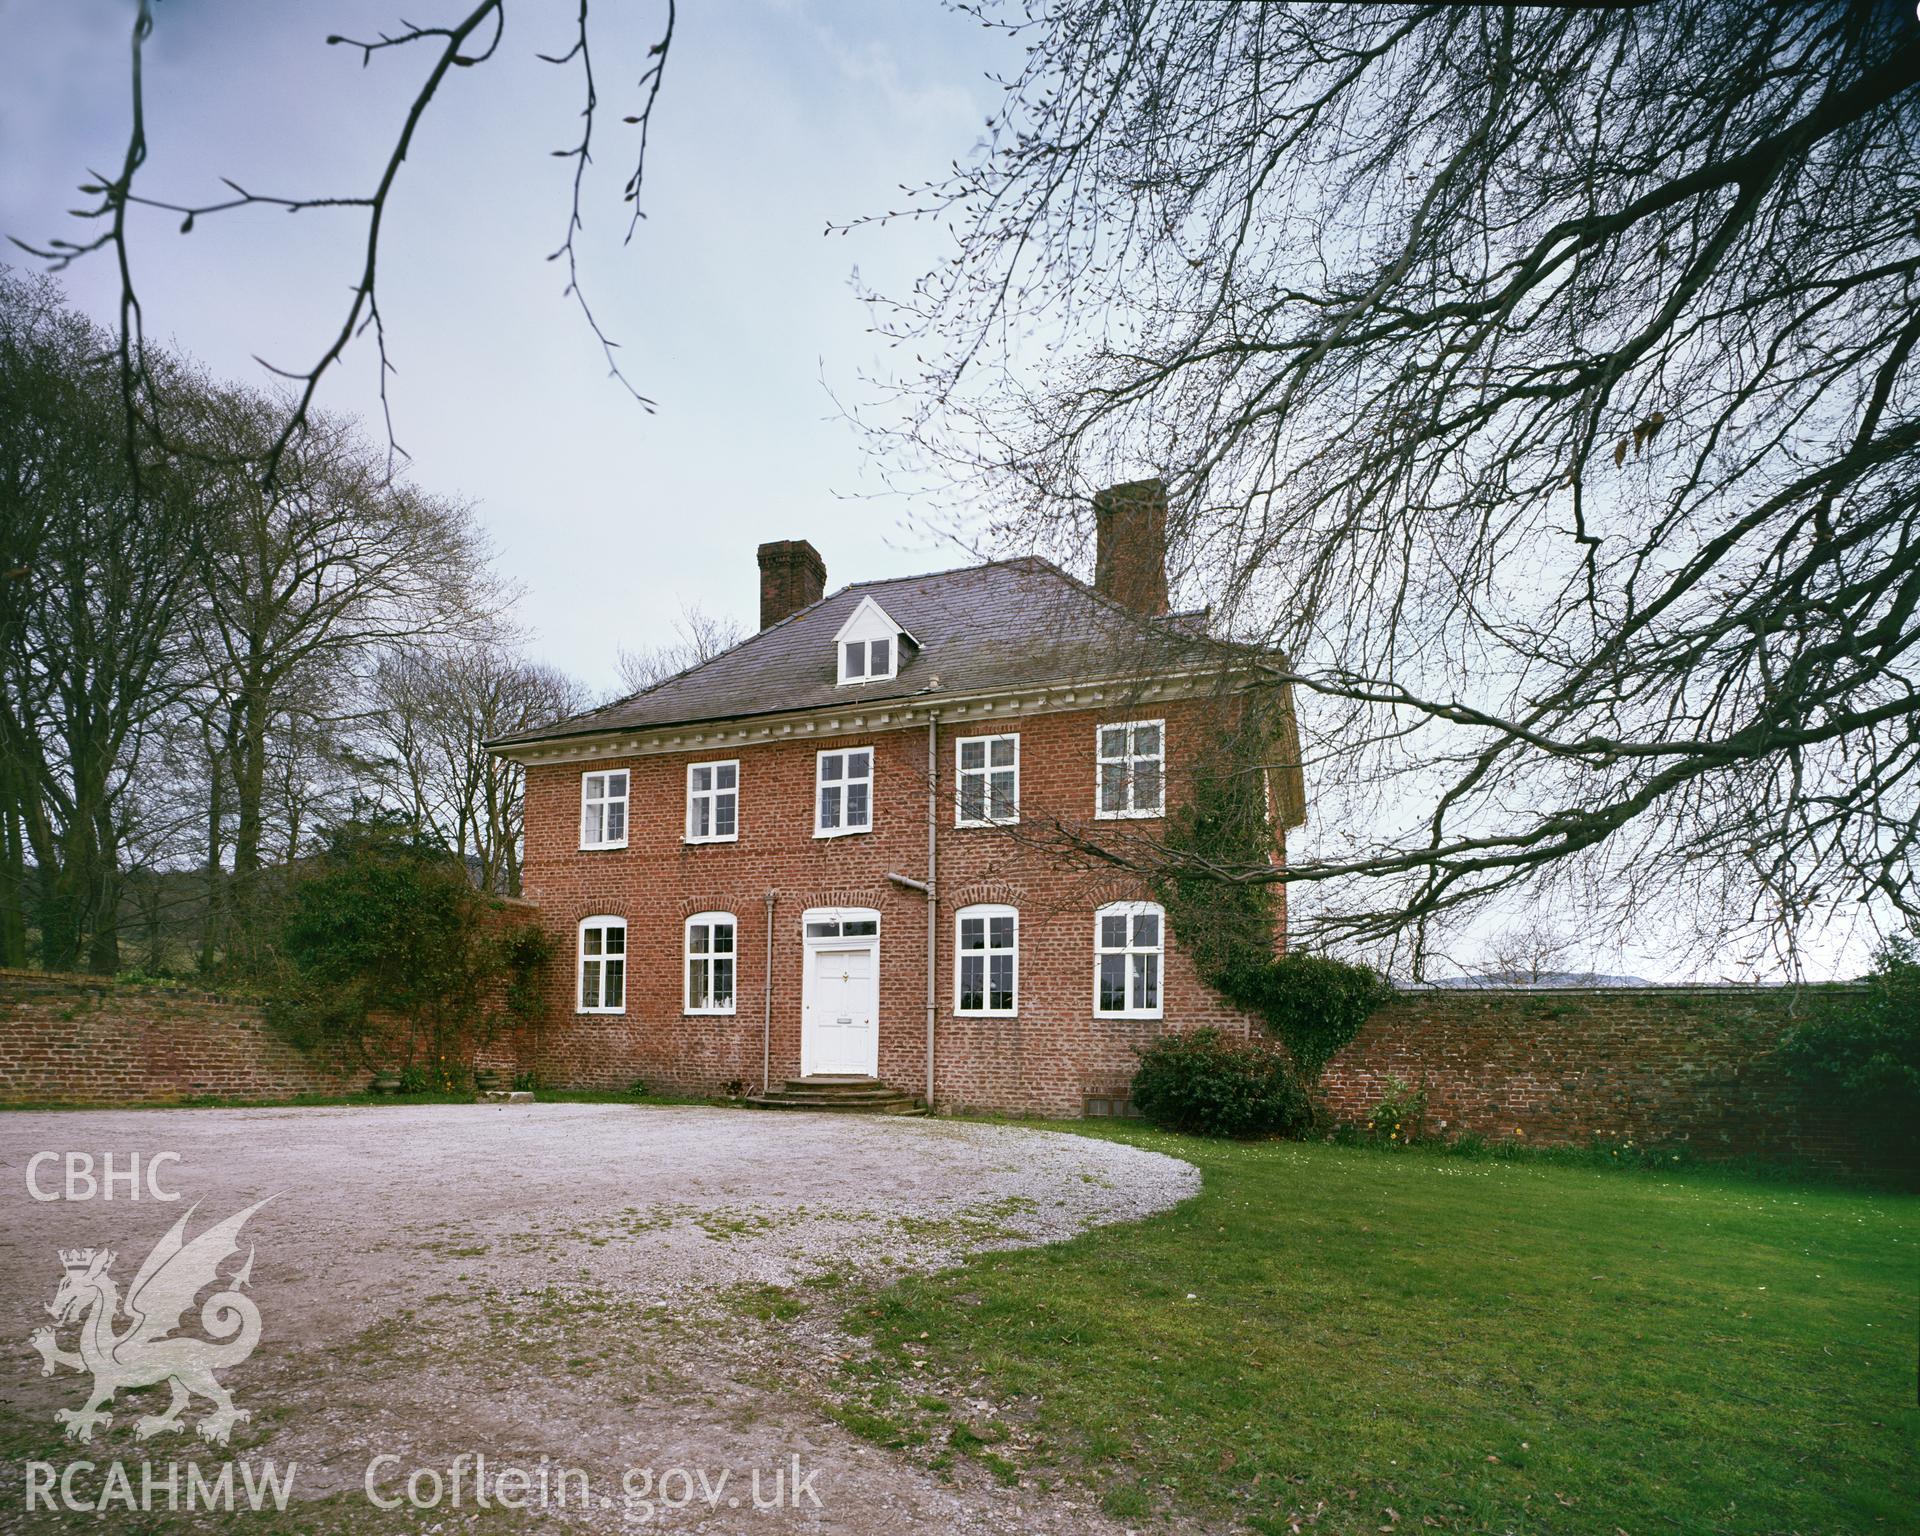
(1314,1004)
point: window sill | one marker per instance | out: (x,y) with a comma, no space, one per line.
(731,837)
(707,1013)
(603,847)
(609,1012)
(1144,1016)
(840,831)
(1157,811)
(1003,821)
(960,1016)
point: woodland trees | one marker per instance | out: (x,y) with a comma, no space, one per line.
(202,665)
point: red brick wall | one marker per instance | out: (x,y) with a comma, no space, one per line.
(79,1038)
(1568,1067)
(1043,1061)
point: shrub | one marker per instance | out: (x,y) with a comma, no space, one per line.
(1401,1114)
(1866,1049)
(1314,1003)
(1204,1084)
(390,952)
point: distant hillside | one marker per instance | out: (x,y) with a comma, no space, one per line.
(1544,979)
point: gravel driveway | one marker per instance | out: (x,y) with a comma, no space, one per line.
(605,1286)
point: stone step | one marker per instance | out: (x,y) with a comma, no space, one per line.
(839,1095)
(847,1096)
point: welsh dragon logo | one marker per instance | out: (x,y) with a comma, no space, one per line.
(141,1354)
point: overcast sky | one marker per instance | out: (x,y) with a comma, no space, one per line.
(735,313)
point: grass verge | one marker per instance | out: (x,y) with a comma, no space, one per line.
(1344,1339)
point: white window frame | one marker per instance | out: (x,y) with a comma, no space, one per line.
(710,920)
(820,783)
(1130,812)
(986,773)
(712,796)
(867,674)
(985,912)
(1130,910)
(606,924)
(589,800)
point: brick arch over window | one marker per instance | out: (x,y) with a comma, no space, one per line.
(721,901)
(990,893)
(1100,893)
(840,896)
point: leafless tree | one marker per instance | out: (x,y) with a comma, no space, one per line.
(1540,381)
(468,41)
(1529,951)
(699,636)
(307,574)
(424,746)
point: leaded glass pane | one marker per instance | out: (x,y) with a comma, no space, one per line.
(971,971)
(1146,981)
(1000,995)
(1146,786)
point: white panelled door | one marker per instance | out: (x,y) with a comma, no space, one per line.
(842,1027)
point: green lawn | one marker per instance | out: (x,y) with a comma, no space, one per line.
(1366,1339)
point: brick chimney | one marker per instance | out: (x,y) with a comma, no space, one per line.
(792,574)
(1130,548)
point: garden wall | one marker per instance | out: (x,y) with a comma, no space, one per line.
(82,1038)
(1688,1066)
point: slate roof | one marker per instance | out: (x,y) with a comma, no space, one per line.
(1009,624)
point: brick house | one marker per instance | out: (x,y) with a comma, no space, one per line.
(842,849)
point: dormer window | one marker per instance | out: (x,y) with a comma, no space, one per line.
(870,644)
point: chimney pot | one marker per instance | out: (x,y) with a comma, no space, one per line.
(1130,545)
(792,575)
